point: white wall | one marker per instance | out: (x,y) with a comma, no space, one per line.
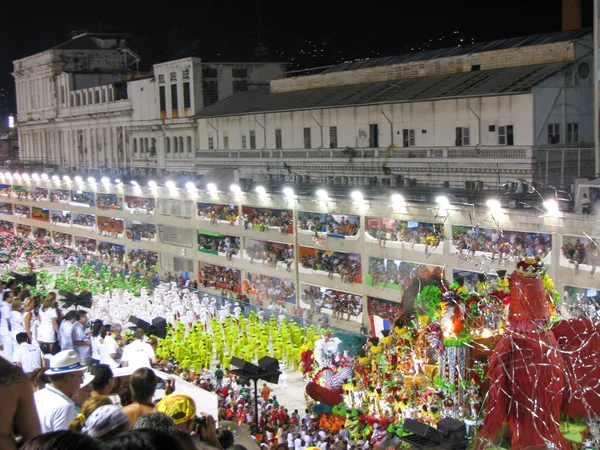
(439,119)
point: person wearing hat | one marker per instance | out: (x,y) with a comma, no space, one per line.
(182,409)
(54,403)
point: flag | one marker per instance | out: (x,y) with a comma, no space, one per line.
(378,324)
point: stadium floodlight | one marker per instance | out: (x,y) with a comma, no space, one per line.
(289,193)
(260,190)
(17,176)
(211,187)
(91,180)
(35,177)
(152,184)
(25,176)
(190,186)
(118,181)
(552,208)
(56,178)
(236,189)
(495,207)
(45,177)
(8,175)
(78,179)
(171,185)
(357,196)
(67,178)
(398,200)
(322,195)
(444,205)
(135,184)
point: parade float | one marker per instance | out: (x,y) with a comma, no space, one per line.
(497,355)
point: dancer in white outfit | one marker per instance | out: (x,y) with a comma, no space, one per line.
(48,330)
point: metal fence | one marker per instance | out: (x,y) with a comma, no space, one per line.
(560,167)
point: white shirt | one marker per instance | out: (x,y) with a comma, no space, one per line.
(95,344)
(138,354)
(28,355)
(16,322)
(5,313)
(66,340)
(54,408)
(108,347)
(78,334)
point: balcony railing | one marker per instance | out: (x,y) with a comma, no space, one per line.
(395,152)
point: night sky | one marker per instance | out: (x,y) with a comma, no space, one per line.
(296,31)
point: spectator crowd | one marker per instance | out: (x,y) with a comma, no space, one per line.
(501,244)
(109,226)
(140,203)
(139,231)
(347,265)
(216,213)
(22,210)
(6,208)
(84,198)
(59,195)
(398,273)
(582,251)
(327,223)
(270,253)
(229,245)
(39,193)
(428,234)
(61,217)
(111,253)
(269,289)
(23,230)
(263,218)
(218,277)
(385,309)
(139,259)
(342,304)
(84,220)
(109,201)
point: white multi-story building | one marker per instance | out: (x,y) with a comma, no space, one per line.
(467,117)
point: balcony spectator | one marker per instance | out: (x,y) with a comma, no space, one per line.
(347,265)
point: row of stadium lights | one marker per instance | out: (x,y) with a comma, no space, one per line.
(398,201)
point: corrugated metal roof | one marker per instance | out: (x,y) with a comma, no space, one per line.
(485,82)
(88,41)
(516,42)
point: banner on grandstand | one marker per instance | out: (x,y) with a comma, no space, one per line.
(319,240)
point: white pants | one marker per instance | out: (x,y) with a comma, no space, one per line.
(7,345)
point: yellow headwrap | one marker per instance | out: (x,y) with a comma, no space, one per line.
(180,407)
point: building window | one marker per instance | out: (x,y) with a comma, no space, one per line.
(333,137)
(252,139)
(239,73)
(240,86)
(307,139)
(167,145)
(553,133)
(373,135)
(96,96)
(210,92)
(572,133)
(174,104)
(211,143)
(90,98)
(83,99)
(153,148)
(187,99)
(110,95)
(173,76)
(181,149)
(146,145)
(185,74)
(209,72)
(161,79)
(506,135)
(225,141)
(189,144)
(162,98)
(278,143)
(244,144)
(462,137)
(62,95)
(175,145)
(134,145)
(103,95)
(408,138)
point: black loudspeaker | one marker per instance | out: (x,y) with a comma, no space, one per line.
(421,429)
(268,364)
(452,428)
(159,322)
(245,366)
